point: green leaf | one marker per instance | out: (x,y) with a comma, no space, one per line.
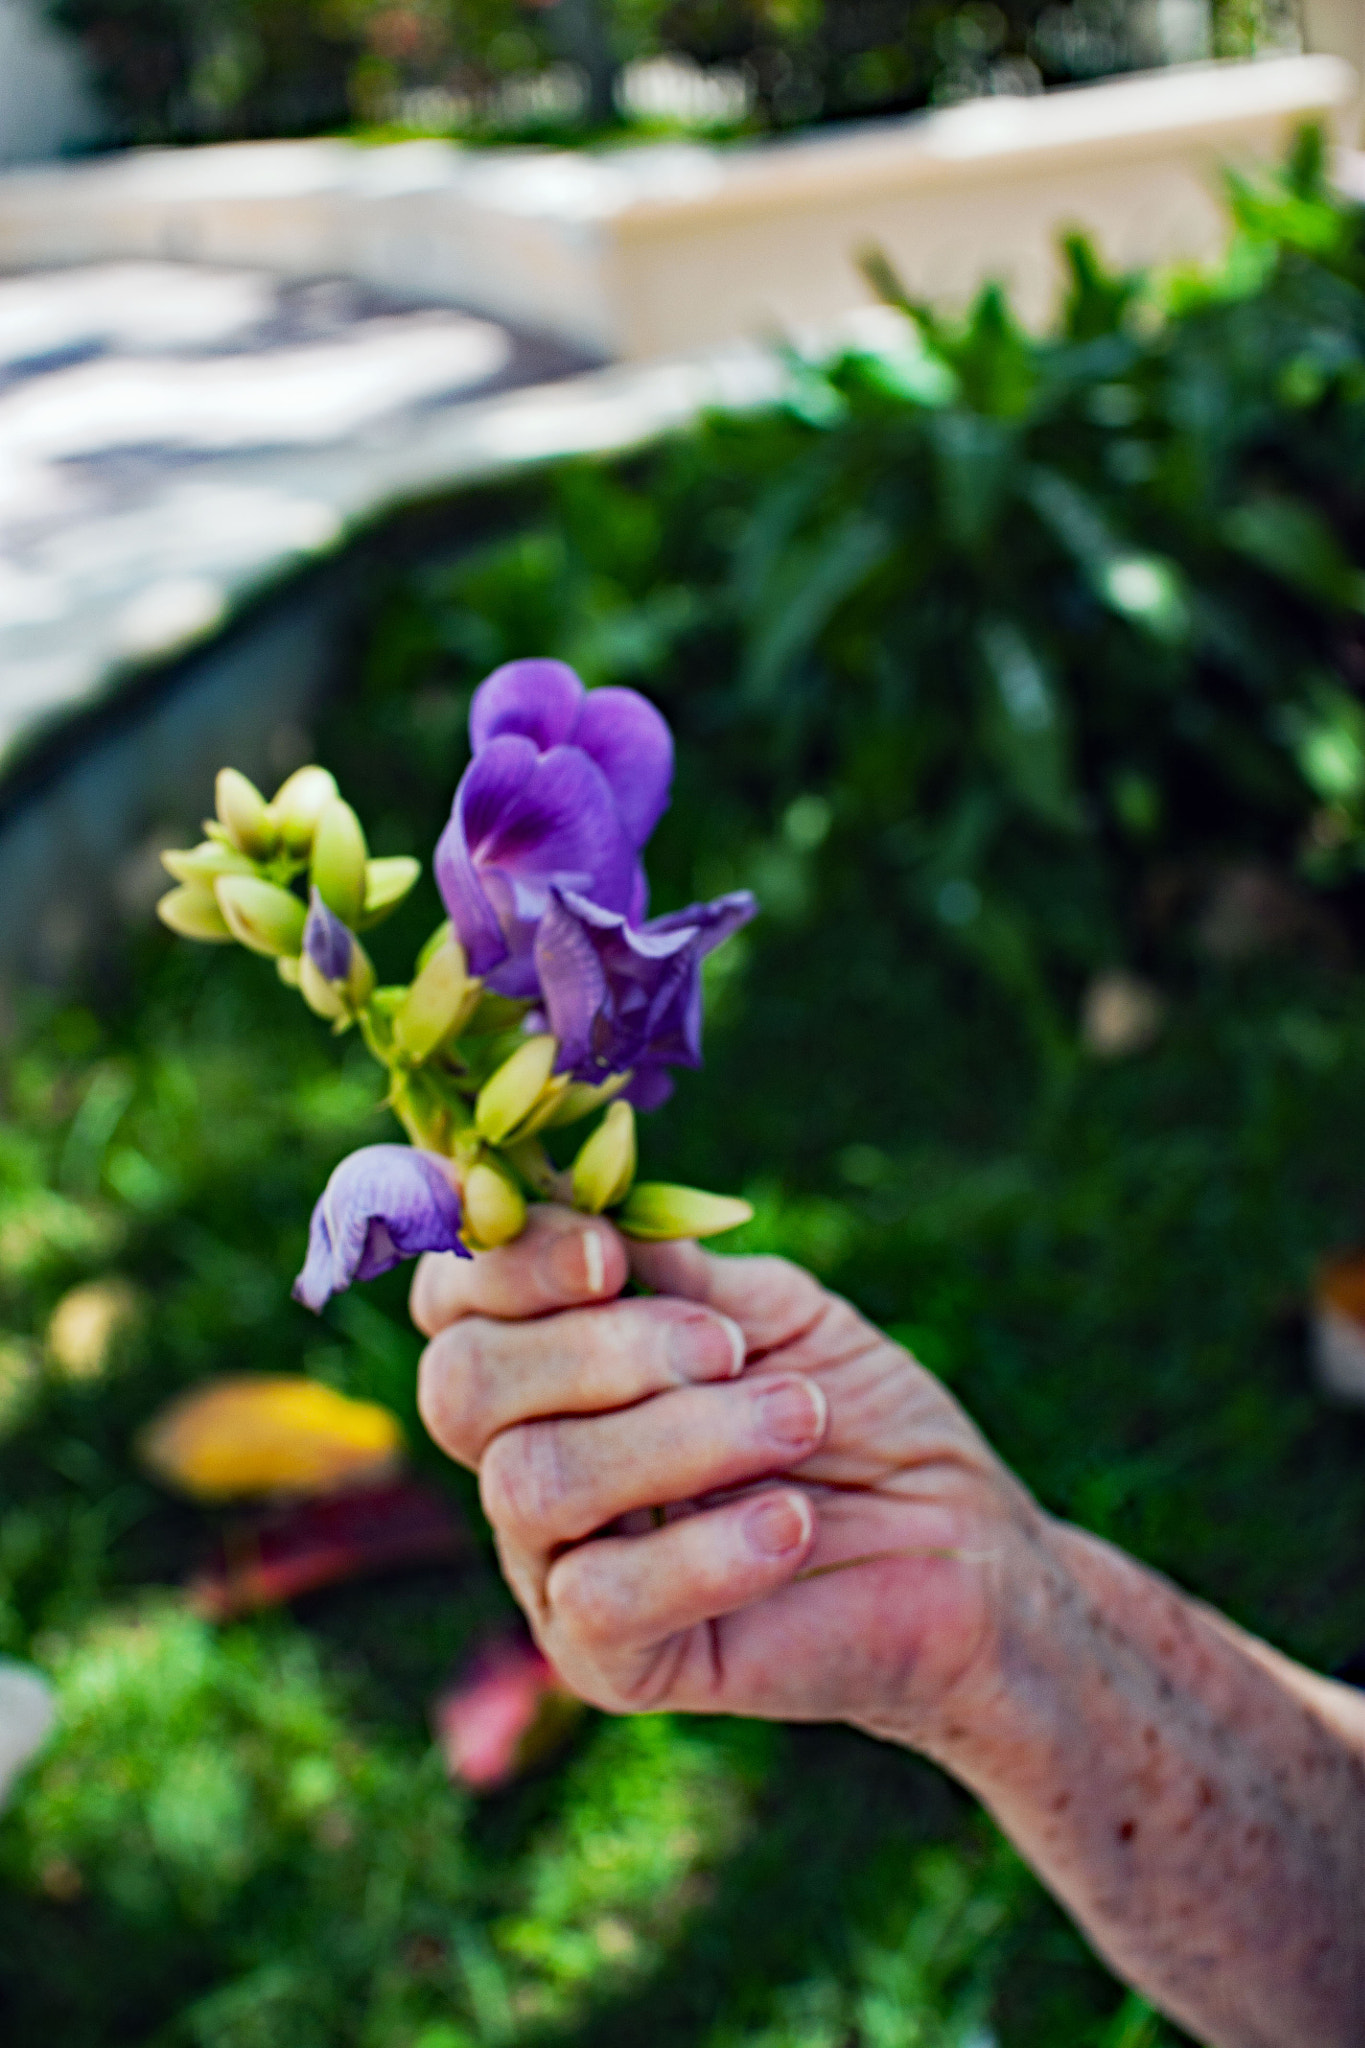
(1025,727)
(1294,542)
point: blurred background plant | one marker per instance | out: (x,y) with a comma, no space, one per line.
(180,70)
(1023,681)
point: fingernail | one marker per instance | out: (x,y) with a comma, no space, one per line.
(576,1262)
(778,1524)
(708,1346)
(792,1412)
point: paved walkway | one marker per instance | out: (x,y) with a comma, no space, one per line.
(172,436)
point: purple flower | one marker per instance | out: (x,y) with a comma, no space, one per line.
(327,941)
(382,1204)
(618,997)
(564,789)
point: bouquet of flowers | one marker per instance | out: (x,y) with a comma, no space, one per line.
(546,997)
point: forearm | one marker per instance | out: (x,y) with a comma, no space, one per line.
(1197,1802)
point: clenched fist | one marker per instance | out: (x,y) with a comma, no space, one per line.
(730,1495)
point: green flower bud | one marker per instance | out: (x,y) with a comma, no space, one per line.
(508,1098)
(551,1095)
(494,1206)
(434,944)
(387,882)
(194,914)
(337,1001)
(262,916)
(437,1004)
(605,1167)
(580,1099)
(656,1212)
(360,980)
(339,861)
(431,1119)
(323,997)
(245,815)
(298,804)
(203,864)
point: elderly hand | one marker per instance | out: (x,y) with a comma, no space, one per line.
(839,1541)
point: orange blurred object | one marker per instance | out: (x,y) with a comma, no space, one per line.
(266,1433)
(1338,1325)
(302,1548)
(506,1712)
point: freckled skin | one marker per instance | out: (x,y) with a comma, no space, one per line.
(841,1543)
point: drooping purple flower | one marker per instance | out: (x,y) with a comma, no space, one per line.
(327,941)
(617,996)
(564,789)
(382,1204)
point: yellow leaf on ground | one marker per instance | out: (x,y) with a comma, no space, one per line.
(266,1433)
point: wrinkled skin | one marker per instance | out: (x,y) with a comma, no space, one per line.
(1195,1799)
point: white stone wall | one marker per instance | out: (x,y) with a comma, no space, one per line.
(46,105)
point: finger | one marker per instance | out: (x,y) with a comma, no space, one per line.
(625,1594)
(773,1301)
(480,1377)
(560,1260)
(548,1483)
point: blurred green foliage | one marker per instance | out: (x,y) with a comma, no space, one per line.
(189,69)
(994,662)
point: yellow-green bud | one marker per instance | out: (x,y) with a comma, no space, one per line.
(288,970)
(323,997)
(437,1004)
(262,916)
(605,1167)
(193,913)
(494,1206)
(434,944)
(387,882)
(203,864)
(298,803)
(245,815)
(580,1099)
(656,1211)
(509,1096)
(428,1118)
(339,861)
(360,980)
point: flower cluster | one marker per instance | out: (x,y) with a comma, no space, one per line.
(546,996)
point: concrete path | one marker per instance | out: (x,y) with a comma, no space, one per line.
(171,436)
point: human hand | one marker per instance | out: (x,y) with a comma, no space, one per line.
(840,1542)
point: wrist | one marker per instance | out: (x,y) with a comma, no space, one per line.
(1026,1615)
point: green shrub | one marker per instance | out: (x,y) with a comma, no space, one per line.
(186,69)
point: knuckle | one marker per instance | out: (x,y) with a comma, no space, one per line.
(521,1480)
(585,1604)
(432,1298)
(452,1389)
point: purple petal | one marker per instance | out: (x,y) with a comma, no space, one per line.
(649,1088)
(632,745)
(382,1204)
(619,998)
(539,700)
(523,822)
(326,941)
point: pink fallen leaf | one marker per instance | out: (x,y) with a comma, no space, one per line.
(507,1710)
(276,1556)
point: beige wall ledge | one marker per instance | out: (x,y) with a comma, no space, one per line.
(644,252)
